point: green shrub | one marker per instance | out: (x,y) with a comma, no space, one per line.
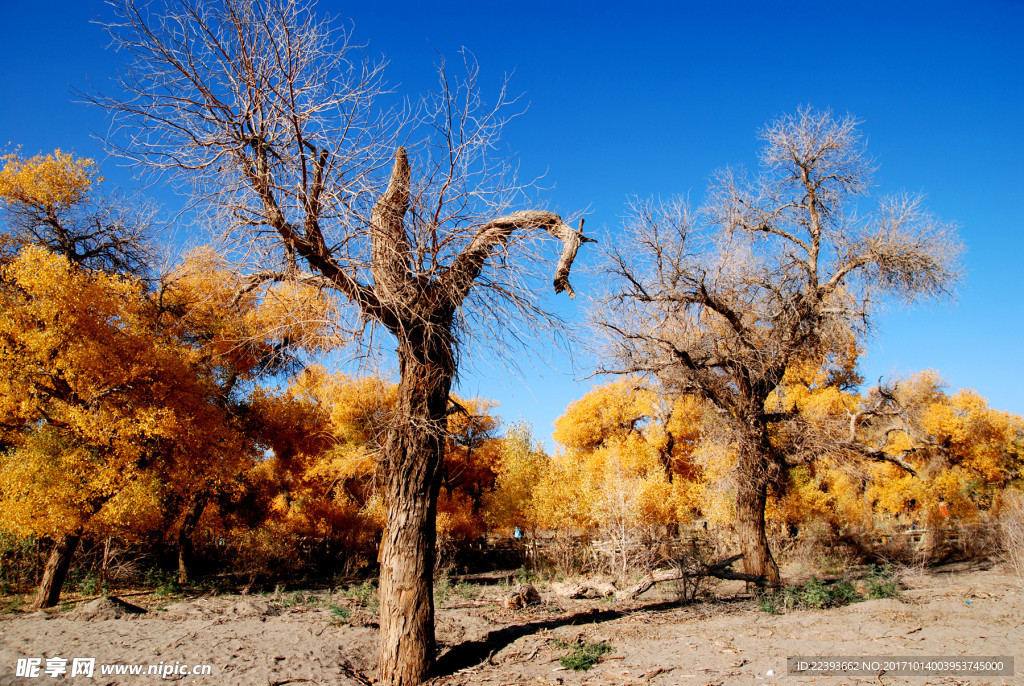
(882,583)
(339,613)
(21,563)
(163,582)
(583,655)
(364,595)
(525,575)
(90,583)
(843,592)
(442,589)
(767,602)
(814,594)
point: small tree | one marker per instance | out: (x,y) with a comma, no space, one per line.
(722,301)
(269,114)
(53,201)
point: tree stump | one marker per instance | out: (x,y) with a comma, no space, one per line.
(521,596)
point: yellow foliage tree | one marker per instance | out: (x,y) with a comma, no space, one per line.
(632,462)
(100,418)
(520,465)
(959,454)
(321,479)
(52,201)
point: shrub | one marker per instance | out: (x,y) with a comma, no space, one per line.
(814,593)
(768,603)
(364,595)
(583,655)
(882,583)
(90,583)
(844,593)
(339,613)
(163,582)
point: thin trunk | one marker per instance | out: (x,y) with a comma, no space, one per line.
(56,570)
(751,498)
(186,551)
(414,453)
(105,562)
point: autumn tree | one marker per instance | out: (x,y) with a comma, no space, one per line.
(324,436)
(100,419)
(57,202)
(319,478)
(963,452)
(470,454)
(721,301)
(520,466)
(234,336)
(632,406)
(54,201)
(932,458)
(269,113)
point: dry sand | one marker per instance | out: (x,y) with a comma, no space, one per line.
(271,641)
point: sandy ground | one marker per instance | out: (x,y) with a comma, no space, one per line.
(285,639)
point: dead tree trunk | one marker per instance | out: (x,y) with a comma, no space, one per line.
(414,452)
(186,551)
(56,570)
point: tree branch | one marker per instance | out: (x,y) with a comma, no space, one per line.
(459,277)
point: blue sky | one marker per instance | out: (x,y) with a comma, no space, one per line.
(649,98)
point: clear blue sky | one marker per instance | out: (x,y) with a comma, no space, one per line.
(648,98)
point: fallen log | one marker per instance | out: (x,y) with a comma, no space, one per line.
(718,570)
(585,590)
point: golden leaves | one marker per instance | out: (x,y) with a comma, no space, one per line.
(296,312)
(124,414)
(49,182)
(609,410)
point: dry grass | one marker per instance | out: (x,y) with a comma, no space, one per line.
(1011,527)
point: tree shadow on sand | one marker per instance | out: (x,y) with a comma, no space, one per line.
(471,653)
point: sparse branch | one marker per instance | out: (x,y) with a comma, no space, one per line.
(256,280)
(270,116)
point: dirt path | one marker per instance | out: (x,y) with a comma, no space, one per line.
(277,641)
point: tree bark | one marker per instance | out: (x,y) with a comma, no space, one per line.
(751,498)
(186,551)
(56,570)
(414,452)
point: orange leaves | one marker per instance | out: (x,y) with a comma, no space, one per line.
(295,312)
(247,327)
(62,326)
(47,182)
(125,418)
(325,433)
(44,464)
(614,409)
(456,519)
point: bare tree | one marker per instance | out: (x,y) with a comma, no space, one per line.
(269,113)
(722,301)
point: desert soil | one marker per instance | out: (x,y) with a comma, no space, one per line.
(965,610)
